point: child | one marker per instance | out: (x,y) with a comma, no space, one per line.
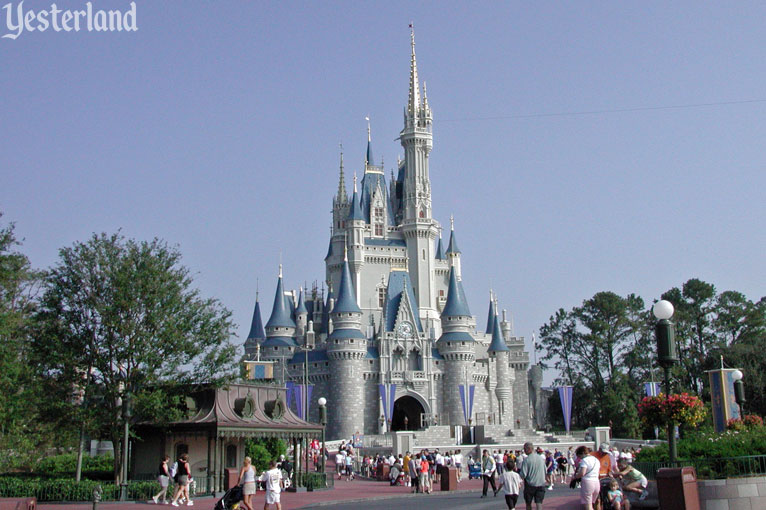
(615,495)
(510,481)
(632,479)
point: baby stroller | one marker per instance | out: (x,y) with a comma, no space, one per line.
(396,475)
(603,494)
(474,470)
(230,500)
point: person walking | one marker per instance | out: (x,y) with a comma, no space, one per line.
(247,479)
(488,469)
(163,477)
(587,472)
(510,481)
(414,470)
(533,474)
(273,480)
(182,480)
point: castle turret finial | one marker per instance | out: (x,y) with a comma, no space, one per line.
(342,197)
(354,182)
(451,222)
(414,99)
(369,137)
(280,270)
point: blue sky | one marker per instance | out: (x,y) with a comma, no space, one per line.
(216,127)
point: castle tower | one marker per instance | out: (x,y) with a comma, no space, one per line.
(280,332)
(418,226)
(457,346)
(505,377)
(355,241)
(301,316)
(453,252)
(257,333)
(346,349)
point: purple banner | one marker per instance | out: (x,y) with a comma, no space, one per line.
(466,399)
(301,410)
(565,395)
(290,386)
(387,397)
(652,389)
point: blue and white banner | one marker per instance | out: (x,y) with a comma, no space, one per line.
(298,390)
(565,395)
(724,404)
(652,389)
(387,397)
(466,398)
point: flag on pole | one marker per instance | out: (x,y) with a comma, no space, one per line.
(652,389)
(565,395)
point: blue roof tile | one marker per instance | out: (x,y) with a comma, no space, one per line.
(281,311)
(345,333)
(440,251)
(457,305)
(280,341)
(456,336)
(346,302)
(256,327)
(397,281)
(497,344)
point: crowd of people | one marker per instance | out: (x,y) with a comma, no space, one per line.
(607,479)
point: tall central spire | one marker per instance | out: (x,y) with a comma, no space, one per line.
(414,100)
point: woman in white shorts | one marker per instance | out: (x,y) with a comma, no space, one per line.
(247,479)
(587,473)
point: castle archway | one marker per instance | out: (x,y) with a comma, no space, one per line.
(407,413)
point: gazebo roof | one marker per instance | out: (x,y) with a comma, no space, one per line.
(244,410)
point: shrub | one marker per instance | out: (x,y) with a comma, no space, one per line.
(68,490)
(66,464)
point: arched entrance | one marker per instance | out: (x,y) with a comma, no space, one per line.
(410,408)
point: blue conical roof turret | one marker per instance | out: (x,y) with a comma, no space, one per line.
(326,310)
(256,327)
(457,305)
(440,250)
(346,302)
(355,212)
(280,312)
(497,344)
(452,247)
(492,315)
(301,308)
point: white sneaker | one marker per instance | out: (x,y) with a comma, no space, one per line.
(550,487)
(155,499)
(190,503)
(644,495)
(174,503)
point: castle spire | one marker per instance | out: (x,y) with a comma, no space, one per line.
(498,343)
(346,302)
(413,104)
(355,212)
(280,315)
(342,195)
(369,160)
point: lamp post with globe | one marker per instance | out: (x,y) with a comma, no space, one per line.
(739,392)
(322,421)
(667,356)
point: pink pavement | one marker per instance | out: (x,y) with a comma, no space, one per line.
(358,489)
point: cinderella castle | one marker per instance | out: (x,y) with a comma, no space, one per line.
(392,344)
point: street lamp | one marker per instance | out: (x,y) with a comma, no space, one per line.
(125,447)
(739,391)
(666,357)
(322,421)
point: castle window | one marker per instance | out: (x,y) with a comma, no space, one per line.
(441,293)
(381,297)
(378,229)
(422,214)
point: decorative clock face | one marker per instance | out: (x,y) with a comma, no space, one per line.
(405,329)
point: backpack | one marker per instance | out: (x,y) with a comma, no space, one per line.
(173,470)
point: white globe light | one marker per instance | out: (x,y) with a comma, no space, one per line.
(322,401)
(736,375)
(663,309)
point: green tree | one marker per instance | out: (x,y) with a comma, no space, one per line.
(695,305)
(121,321)
(21,430)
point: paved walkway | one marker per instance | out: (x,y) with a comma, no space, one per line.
(357,490)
